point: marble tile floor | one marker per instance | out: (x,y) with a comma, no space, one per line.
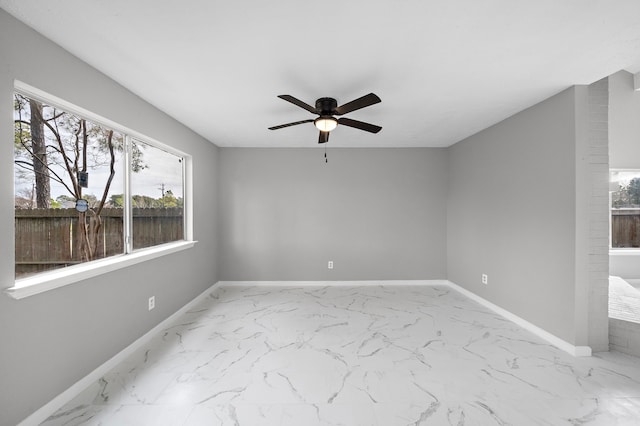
(365,355)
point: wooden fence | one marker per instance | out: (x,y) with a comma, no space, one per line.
(48,238)
(625,228)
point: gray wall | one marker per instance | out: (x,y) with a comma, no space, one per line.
(51,340)
(377,213)
(624,122)
(511,214)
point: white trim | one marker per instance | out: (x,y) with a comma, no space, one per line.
(187,196)
(46,281)
(624,252)
(65,397)
(580,350)
(543,334)
(332,283)
(127,217)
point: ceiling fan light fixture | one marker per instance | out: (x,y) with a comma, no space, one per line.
(325,123)
(326,108)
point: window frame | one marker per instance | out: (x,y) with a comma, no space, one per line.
(49,280)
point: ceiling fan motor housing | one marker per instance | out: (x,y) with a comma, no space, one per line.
(326,106)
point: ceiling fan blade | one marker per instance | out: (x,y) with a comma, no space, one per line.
(359,125)
(299,103)
(359,103)
(295,123)
(324,137)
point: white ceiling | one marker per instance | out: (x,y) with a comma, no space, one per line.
(444,69)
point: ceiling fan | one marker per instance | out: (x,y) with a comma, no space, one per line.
(326,108)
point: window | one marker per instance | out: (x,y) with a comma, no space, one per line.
(86,191)
(157,220)
(625,209)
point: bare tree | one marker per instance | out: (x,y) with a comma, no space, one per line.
(33,141)
(58,147)
(39,153)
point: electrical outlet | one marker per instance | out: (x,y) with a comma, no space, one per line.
(485,279)
(152,302)
(330,264)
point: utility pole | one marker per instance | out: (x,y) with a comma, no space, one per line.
(162,189)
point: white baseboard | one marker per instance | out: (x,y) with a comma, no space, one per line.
(65,397)
(545,335)
(331,283)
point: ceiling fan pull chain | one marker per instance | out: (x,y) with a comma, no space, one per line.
(325,153)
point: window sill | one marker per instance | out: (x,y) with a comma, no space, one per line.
(46,281)
(624,252)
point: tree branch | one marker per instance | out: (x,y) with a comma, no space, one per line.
(20,121)
(55,117)
(111,175)
(66,160)
(56,178)
(77,151)
(51,171)
(84,146)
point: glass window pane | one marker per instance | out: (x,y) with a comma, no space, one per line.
(157,196)
(60,158)
(625,209)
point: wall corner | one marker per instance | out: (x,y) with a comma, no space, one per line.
(592,215)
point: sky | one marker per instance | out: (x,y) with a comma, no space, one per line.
(623,177)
